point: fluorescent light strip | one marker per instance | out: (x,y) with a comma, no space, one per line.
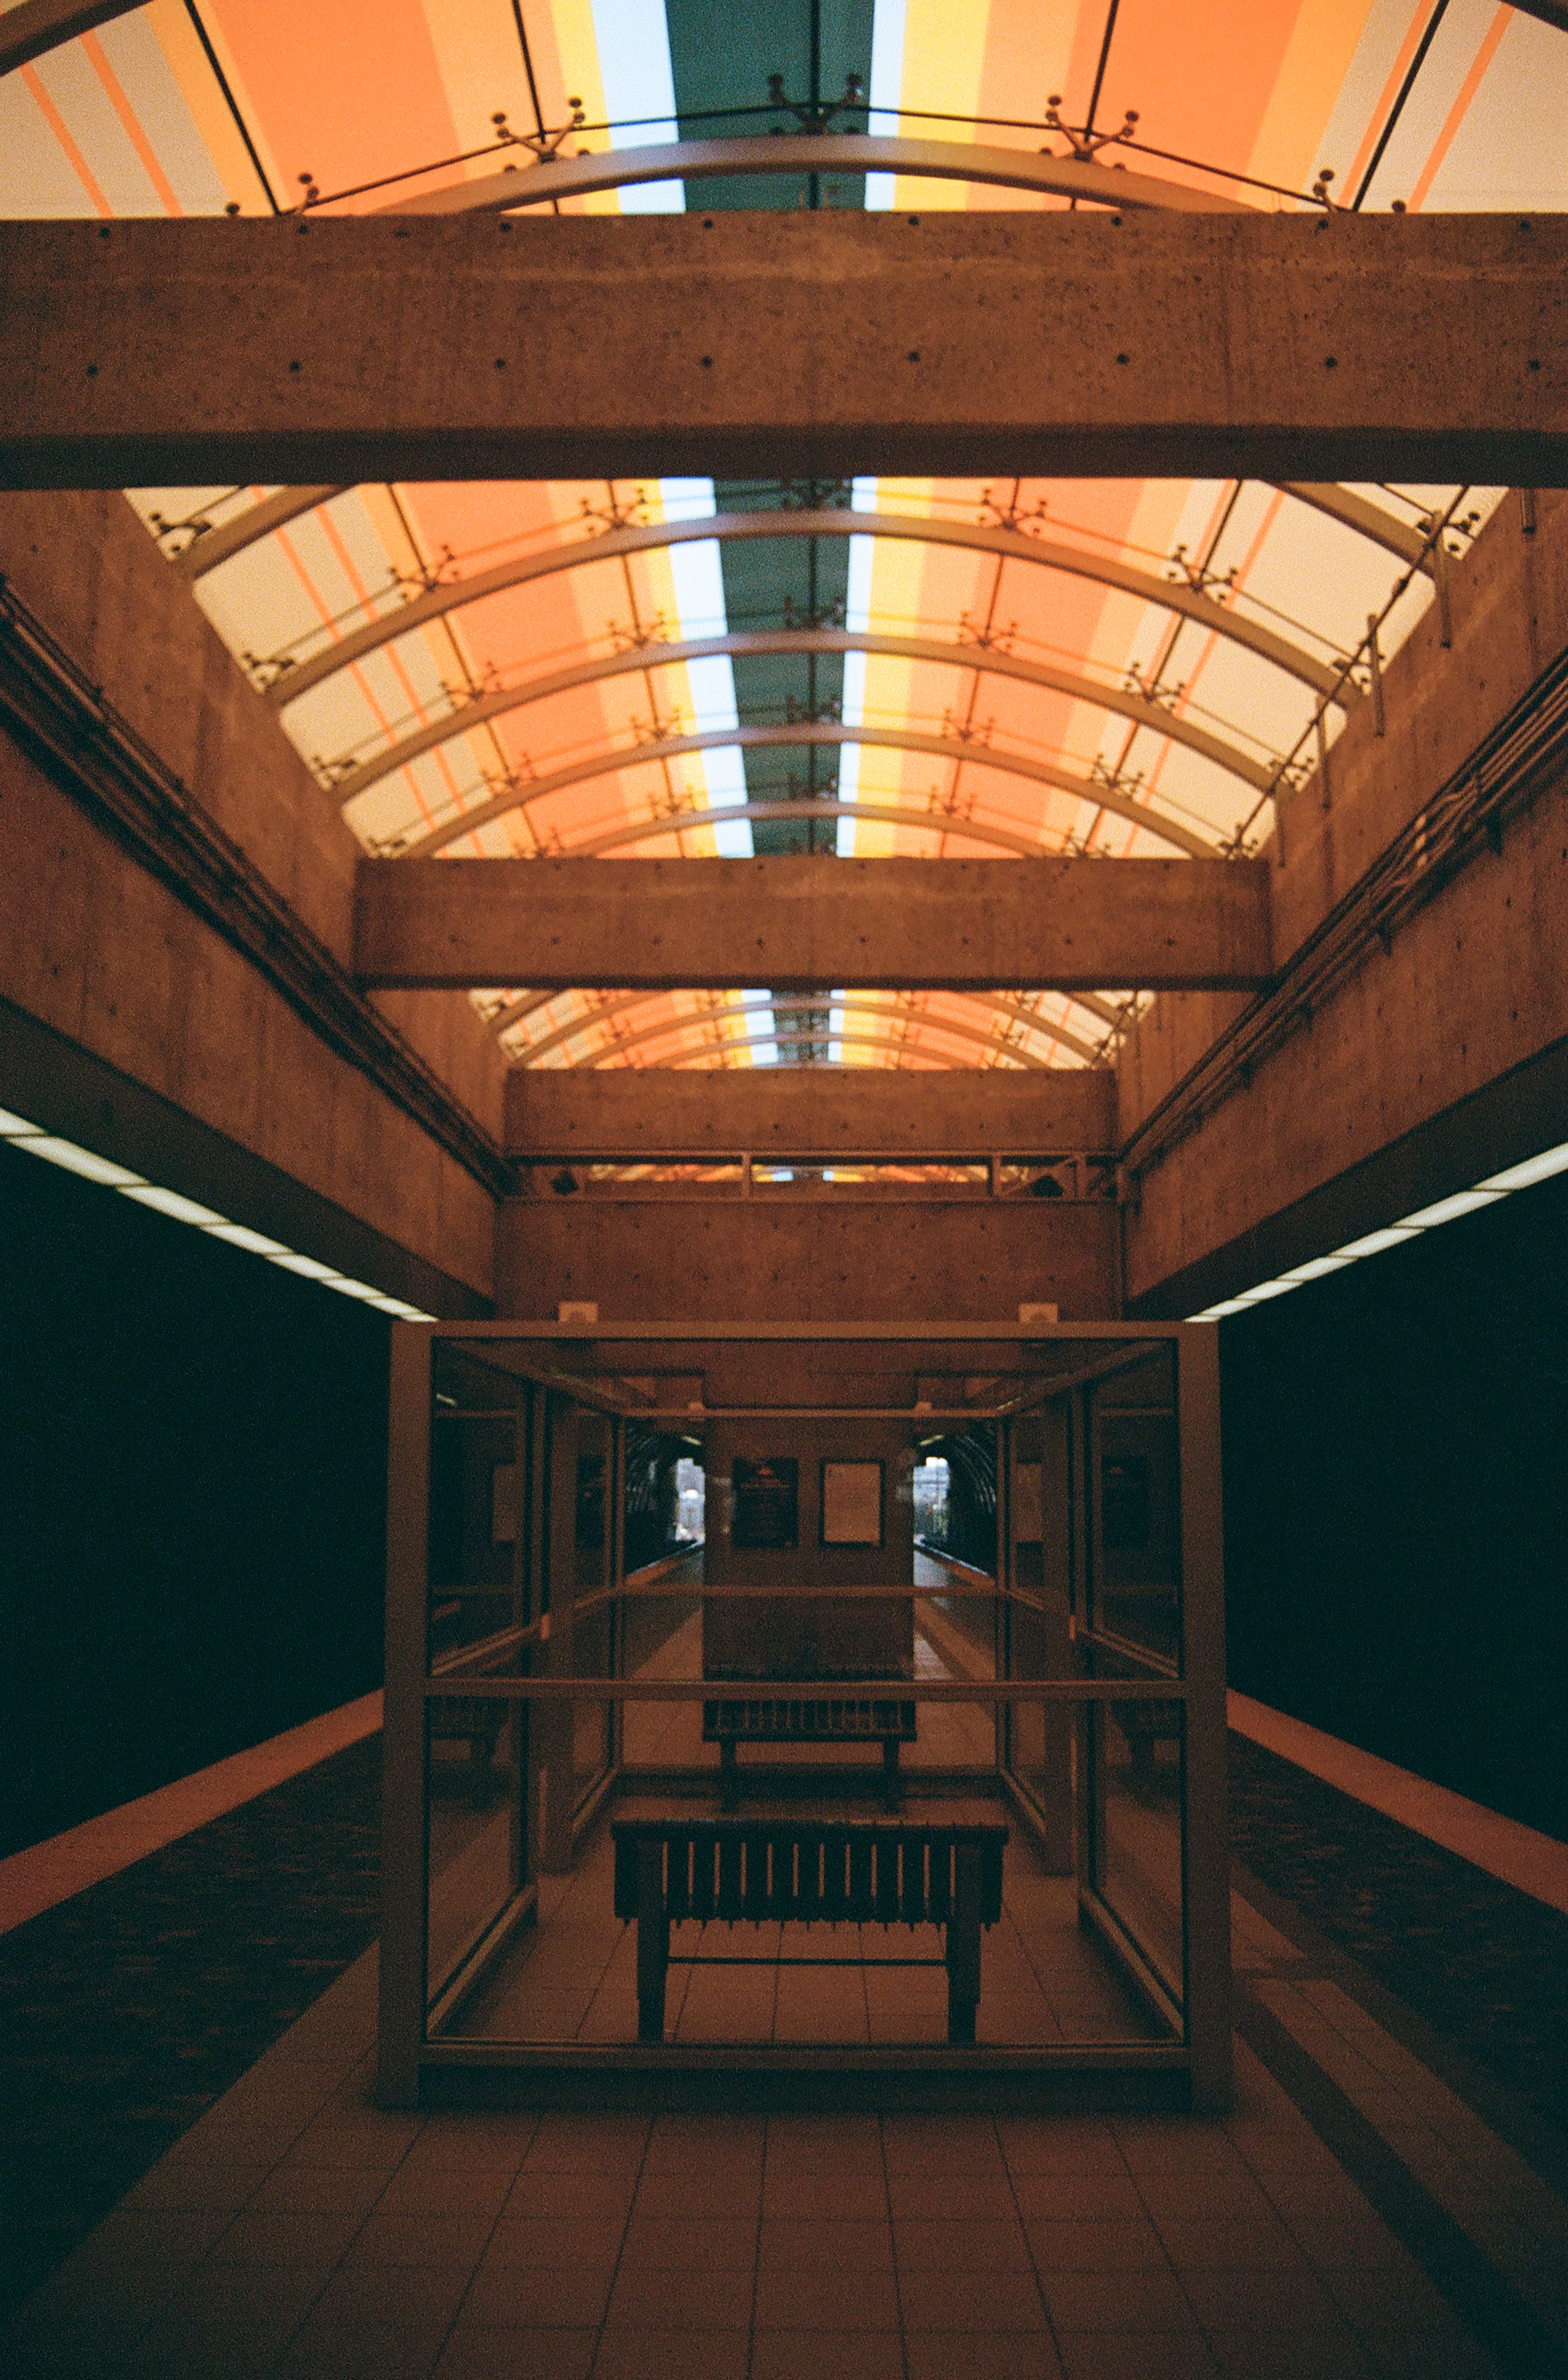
(1393,1235)
(18,1132)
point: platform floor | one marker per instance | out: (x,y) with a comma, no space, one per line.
(1379,2206)
(573,1975)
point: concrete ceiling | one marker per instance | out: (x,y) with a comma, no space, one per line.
(1094,683)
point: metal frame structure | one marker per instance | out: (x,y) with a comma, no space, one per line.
(524,793)
(1326,679)
(1014,1010)
(204,547)
(575,1371)
(988,660)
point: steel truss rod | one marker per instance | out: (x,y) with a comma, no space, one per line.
(947,653)
(798,1040)
(211,546)
(817,153)
(1367,519)
(806,806)
(529,1002)
(853,1003)
(1327,679)
(1326,496)
(1016,1010)
(524,793)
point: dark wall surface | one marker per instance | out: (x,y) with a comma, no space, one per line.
(1396,1504)
(193,1450)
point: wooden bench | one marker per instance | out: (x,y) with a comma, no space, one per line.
(808,1871)
(734,1720)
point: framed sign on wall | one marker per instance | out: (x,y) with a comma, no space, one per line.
(766,1503)
(852,1503)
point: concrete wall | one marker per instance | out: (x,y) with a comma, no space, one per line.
(96,947)
(1474,985)
(809,1638)
(624,1112)
(813,1260)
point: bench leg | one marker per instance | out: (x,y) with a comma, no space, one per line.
(729,1775)
(652,1942)
(890,1780)
(964,1947)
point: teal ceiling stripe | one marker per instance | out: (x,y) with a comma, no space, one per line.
(723,57)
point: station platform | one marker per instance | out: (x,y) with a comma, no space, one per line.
(202,2186)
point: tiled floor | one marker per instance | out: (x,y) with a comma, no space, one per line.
(574,1976)
(1374,2219)
(296,2230)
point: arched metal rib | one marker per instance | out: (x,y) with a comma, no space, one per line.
(1326,496)
(807,732)
(218,546)
(742,643)
(33,27)
(1367,519)
(1009,545)
(527,1004)
(804,808)
(622,1003)
(853,1004)
(921,1060)
(769,153)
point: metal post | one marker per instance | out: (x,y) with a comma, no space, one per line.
(1325,789)
(1439,580)
(405,1847)
(1206,1845)
(1375,664)
(1004,1567)
(554,1722)
(652,1941)
(615,1568)
(964,1944)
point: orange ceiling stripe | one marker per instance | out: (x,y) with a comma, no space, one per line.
(93,50)
(1243,569)
(1457,113)
(1386,97)
(370,100)
(57,124)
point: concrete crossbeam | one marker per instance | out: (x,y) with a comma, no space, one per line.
(813,924)
(1288,347)
(807,1111)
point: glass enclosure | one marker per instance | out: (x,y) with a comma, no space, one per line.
(712,1660)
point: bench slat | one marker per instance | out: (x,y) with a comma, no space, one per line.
(862,1871)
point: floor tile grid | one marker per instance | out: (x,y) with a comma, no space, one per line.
(1397,2312)
(1514,2216)
(1044,1982)
(1173,2148)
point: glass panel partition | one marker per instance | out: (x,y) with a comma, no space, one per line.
(946,1595)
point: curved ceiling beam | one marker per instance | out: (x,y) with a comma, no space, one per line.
(820,806)
(744,642)
(1009,545)
(753,154)
(522,795)
(1014,1010)
(33,27)
(1353,512)
(918,1061)
(1367,521)
(528,1003)
(216,545)
(853,1004)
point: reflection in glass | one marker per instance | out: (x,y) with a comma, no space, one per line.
(1139,1818)
(1138,1585)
